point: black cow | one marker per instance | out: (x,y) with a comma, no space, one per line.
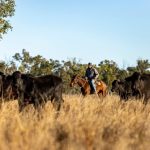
(137,85)
(9,91)
(122,88)
(2,76)
(38,90)
(1,86)
(142,85)
(132,79)
(125,88)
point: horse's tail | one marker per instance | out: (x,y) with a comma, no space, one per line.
(103,86)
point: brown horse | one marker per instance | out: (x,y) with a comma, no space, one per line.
(101,87)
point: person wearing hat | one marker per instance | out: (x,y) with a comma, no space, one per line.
(91,74)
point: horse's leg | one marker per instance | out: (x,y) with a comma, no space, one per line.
(105,93)
(100,95)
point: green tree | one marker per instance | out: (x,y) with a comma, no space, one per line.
(36,65)
(122,74)
(24,60)
(42,66)
(7,9)
(142,65)
(67,70)
(10,67)
(2,66)
(131,70)
(108,71)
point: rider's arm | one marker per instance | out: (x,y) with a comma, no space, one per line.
(86,75)
(96,73)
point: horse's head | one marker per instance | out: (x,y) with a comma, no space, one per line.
(74,80)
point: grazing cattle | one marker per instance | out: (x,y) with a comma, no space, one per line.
(125,88)
(131,80)
(1,86)
(142,85)
(101,87)
(2,76)
(122,88)
(137,85)
(9,92)
(38,90)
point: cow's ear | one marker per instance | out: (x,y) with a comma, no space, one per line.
(17,74)
(136,75)
(120,81)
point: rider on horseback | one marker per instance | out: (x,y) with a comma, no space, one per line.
(91,74)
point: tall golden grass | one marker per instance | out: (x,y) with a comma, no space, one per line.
(88,124)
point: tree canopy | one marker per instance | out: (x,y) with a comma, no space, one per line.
(7,9)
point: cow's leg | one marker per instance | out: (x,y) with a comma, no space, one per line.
(121,96)
(57,103)
(139,94)
(21,102)
(126,96)
(100,94)
(146,97)
(21,107)
(1,102)
(43,104)
(43,100)
(58,100)
(36,104)
(36,97)
(52,98)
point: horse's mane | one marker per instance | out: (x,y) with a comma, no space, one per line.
(79,77)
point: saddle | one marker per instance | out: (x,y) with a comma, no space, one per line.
(98,82)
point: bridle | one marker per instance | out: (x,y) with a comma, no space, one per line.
(77,80)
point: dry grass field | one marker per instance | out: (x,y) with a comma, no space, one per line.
(90,124)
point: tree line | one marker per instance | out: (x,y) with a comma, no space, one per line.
(38,65)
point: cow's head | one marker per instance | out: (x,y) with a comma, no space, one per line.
(136,82)
(7,86)
(17,80)
(116,85)
(74,80)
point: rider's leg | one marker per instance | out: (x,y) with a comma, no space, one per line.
(90,83)
(93,85)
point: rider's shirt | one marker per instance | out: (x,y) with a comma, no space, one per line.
(91,73)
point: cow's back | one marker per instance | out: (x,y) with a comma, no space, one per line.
(47,81)
(144,82)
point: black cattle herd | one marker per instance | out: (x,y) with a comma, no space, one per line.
(137,85)
(28,89)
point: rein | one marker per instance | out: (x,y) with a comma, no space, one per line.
(82,86)
(83,83)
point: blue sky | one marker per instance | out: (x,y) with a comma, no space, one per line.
(88,30)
